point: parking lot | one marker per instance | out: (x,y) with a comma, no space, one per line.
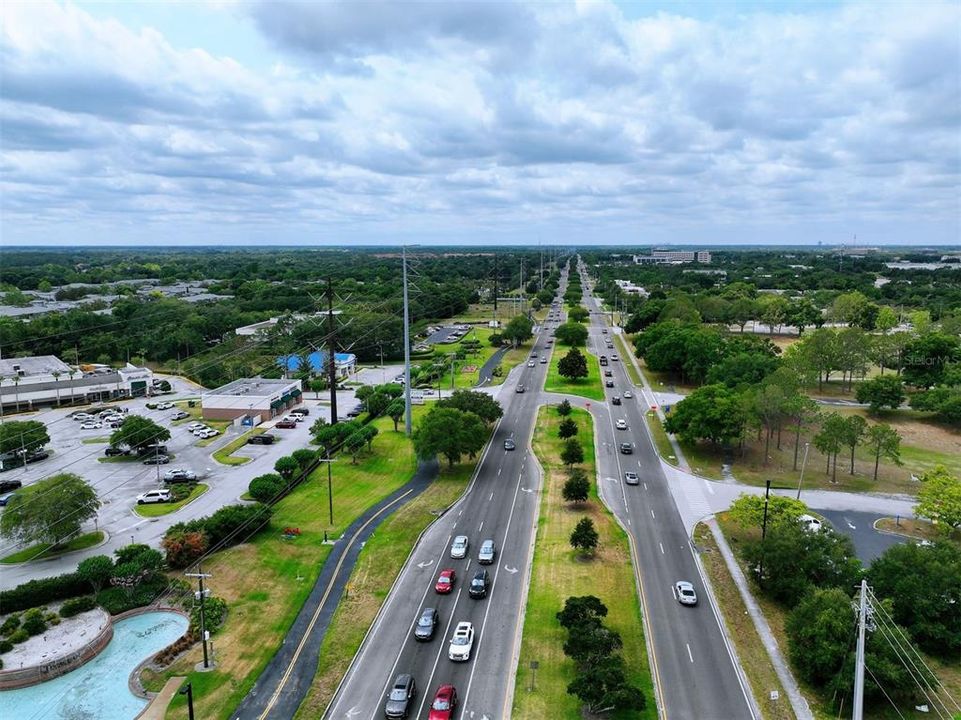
(118,483)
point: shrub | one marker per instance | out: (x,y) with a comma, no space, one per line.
(54,619)
(564,408)
(304,457)
(5,646)
(33,621)
(265,488)
(41,591)
(577,488)
(19,636)
(183,547)
(180,491)
(567,428)
(215,613)
(116,600)
(77,606)
(9,625)
(96,570)
(235,523)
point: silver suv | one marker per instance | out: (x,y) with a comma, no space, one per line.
(485,555)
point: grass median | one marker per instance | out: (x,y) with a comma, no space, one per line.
(45,551)
(377,568)
(661,441)
(158,509)
(558,573)
(266,581)
(626,351)
(223,455)
(589,387)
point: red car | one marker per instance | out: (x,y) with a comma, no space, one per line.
(445,582)
(445,702)
(286,424)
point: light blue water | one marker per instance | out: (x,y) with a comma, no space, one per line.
(98,690)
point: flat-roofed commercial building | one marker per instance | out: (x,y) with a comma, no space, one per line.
(29,382)
(256,397)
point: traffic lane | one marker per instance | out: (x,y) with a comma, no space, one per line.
(869,543)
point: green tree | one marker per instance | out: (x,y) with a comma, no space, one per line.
(774,311)
(22,436)
(804,314)
(449,432)
(354,444)
(748,510)
(518,330)
(572,452)
(945,401)
(578,314)
(317,386)
(584,537)
(819,632)
(49,511)
(377,404)
(743,310)
(573,365)
(885,442)
(577,488)
(265,488)
(571,334)
(939,498)
(304,457)
(582,610)
(830,439)
(286,466)
(95,570)
(566,428)
(712,412)
(481,404)
(880,392)
(852,434)
(924,587)
(588,644)
(395,411)
(137,431)
(564,408)
(886,319)
(927,358)
(603,686)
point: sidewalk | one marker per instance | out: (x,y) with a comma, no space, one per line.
(157,709)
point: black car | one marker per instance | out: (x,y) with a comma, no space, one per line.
(401,697)
(37,456)
(479,584)
(152,450)
(262,440)
(8,485)
(114,452)
(509,444)
(616,400)
(627,448)
(609,383)
(520,389)
(426,624)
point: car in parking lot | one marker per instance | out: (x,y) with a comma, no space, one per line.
(180,415)
(195,426)
(115,452)
(626,448)
(630,477)
(604,331)
(458,548)
(4,499)
(485,556)
(426,625)
(301,411)
(509,444)
(445,703)
(157,460)
(180,475)
(810,523)
(685,593)
(91,425)
(479,584)
(265,439)
(161,495)
(401,697)
(620,424)
(445,581)
(165,406)
(285,424)
(82,416)
(208,433)
(461,642)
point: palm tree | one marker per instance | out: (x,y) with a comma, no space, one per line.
(16,392)
(2,378)
(56,384)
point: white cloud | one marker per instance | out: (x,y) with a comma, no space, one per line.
(382,119)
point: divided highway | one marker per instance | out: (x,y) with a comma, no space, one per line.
(695,673)
(500,504)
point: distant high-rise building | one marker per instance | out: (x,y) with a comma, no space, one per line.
(673,257)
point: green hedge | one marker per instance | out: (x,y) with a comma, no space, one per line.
(42,591)
(77,606)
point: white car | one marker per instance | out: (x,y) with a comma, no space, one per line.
(112,418)
(83,416)
(810,523)
(458,548)
(165,406)
(180,474)
(628,394)
(685,593)
(91,425)
(195,426)
(530,363)
(630,477)
(461,643)
(614,356)
(620,424)
(209,433)
(154,496)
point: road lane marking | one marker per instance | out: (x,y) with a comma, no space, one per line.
(645,486)
(689,652)
(662,548)
(481,527)
(499,471)
(653,515)
(491,497)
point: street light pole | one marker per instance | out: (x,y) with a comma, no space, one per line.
(807,446)
(767,494)
(189,692)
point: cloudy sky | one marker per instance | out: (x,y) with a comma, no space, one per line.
(480,122)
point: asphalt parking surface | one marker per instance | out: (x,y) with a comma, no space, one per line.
(859,526)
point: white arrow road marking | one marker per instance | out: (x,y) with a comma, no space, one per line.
(526,490)
(850,524)
(612,479)
(353,711)
(509,569)
(426,563)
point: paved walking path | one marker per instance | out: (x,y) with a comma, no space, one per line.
(157,709)
(283,684)
(486,373)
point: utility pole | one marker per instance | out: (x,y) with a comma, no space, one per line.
(408,422)
(859,663)
(522,287)
(495,284)
(331,360)
(807,446)
(760,567)
(202,596)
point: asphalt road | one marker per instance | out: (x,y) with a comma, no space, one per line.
(859,526)
(501,503)
(696,677)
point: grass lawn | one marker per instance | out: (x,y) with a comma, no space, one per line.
(924,445)
(750,650)
(661,441)
(589,387)
(95,440)
(626,351)
(916,528)
(559,573)
(467,371)
(223,455)
(377,567)
(265,581)
(219,425)
(776,615)
(43,551)
(158,509)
